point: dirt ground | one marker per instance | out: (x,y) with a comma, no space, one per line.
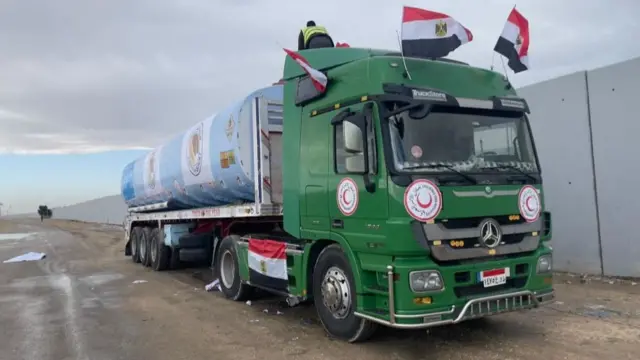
(84,301)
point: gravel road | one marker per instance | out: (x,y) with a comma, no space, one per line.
(86,300)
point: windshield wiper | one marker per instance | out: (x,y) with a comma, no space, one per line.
(505,166)
(451,168)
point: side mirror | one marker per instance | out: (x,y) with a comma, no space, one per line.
(355,164)
(353,137)
(420,111)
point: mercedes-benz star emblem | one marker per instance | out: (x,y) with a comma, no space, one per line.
(490,233)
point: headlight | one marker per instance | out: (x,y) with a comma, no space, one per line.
(545,264)
(425,280)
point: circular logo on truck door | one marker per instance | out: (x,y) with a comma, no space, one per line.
(423,200)
(347,196)
(529,203)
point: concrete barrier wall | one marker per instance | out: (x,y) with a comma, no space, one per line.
(107,210)
(585,125)
(614,94)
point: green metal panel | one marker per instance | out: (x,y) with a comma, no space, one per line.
(291,161)
(364,227)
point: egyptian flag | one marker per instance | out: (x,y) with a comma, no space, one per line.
(317,77)
(428,34)
(268,263)
(514,42)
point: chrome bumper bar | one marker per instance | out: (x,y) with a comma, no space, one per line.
(475,308)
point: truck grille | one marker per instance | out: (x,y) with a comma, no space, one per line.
(478,289)
(474,222)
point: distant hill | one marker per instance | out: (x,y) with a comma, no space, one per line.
(107,210)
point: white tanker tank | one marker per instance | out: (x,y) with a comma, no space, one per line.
(211,164)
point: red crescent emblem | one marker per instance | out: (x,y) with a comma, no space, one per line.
(344,197)
(526,203)
(424,206)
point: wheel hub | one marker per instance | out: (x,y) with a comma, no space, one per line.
(134,246)
(227,269)
(336,294)
(154,251)
(143,247)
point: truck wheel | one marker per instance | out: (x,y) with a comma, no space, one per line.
(334,296)
(174,259)
(144,246)
(228,271)
(134,244)
(159,251)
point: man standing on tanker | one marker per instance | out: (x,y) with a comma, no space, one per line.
(314,37)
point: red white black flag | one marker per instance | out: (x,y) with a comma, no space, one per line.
(267,261)
(429,34)
(514,42)
(318,78)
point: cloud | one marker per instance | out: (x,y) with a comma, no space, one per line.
(79,76)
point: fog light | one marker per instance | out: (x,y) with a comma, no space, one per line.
(422,300)
(425,280)
(545,264)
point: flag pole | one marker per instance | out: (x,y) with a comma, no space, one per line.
(404,62)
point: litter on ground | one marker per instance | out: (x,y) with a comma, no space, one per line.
(213,286)
(30,256)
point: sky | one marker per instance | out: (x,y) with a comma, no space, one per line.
(86,86)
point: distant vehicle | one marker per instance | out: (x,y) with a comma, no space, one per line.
(409,203)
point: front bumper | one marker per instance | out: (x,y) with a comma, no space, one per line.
(472,309)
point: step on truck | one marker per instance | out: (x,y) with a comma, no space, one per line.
(404,196)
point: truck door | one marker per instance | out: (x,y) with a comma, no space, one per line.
(357,192)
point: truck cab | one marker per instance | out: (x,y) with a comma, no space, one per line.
(424,173)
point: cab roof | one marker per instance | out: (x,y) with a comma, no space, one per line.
(326,58)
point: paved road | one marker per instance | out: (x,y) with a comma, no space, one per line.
(81,302)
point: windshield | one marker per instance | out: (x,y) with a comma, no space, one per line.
(463,140)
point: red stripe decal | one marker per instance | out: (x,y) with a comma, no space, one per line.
(415,14)
(268,248)
(494,272)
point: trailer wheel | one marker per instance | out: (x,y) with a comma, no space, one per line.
(229,272)
(335,297)
(134,244)
(174,259)
(159,251)
(144,246)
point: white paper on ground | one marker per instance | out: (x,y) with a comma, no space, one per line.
(30,256)
(214,285)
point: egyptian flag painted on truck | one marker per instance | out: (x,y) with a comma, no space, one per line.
(268,263)
(514,42)
(429,34)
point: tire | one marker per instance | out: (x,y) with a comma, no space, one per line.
(174,259)
(134,244)
(144,247)
(159,252)
(230,283)
(333,265)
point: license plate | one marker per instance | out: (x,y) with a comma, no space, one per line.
(493,277)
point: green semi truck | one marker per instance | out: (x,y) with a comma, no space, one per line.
(407,193)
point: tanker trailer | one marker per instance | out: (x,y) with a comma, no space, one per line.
(210,164)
